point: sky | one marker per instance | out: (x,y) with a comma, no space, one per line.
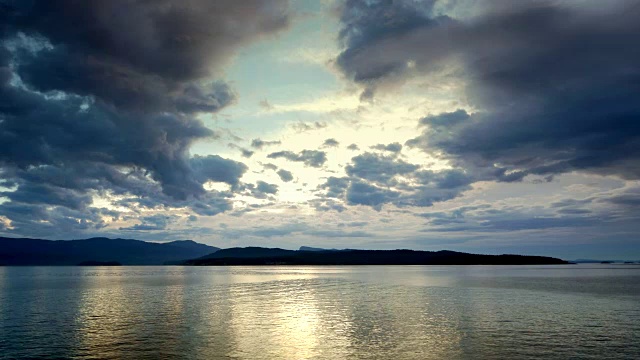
(478,126)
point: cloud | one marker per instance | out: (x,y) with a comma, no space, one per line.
(265,105)
(270,166)
(327,205)
(290,229)
(153,222)
(218,169)
(261,190)
(369,33)
(265,231)
(629,199)
(375,180)
(393,147)
(45,194)
(37,131)
(212,203)
(330,143)
(267,188)
(356,192)
(378,168)
(37,220)
(259,143)
(338,233)
(353,147)
(571,202)
(141,54)
(103,105)
(485,218)
(244,152)
(313,158)
(304,127)
(285,175)
(546,104)
(335,186)
(361,193)
(354,224)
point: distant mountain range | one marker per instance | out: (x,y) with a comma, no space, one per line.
(315,256)
(104,251)
(98,250)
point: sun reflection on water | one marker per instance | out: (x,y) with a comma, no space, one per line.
(299,313)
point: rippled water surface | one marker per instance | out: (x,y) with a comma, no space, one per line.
(377,312)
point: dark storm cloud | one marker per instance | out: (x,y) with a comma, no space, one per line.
(58,200)
(217,169)
(37,131)
(37,220)
(55,69)
(556,84)
(366,25)
(102,104)
(285,175)
(5,70)
(140,54)
(42,193)
(313,158)
(259,143)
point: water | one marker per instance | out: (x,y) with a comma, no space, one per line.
(377,312)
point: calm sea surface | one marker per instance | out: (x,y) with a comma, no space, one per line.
(351,312)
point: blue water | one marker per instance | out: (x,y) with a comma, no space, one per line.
(367,312)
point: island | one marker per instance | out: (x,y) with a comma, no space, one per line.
(276,256)
(114,252)
(97,252)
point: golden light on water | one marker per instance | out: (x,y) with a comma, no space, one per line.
(311,312)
